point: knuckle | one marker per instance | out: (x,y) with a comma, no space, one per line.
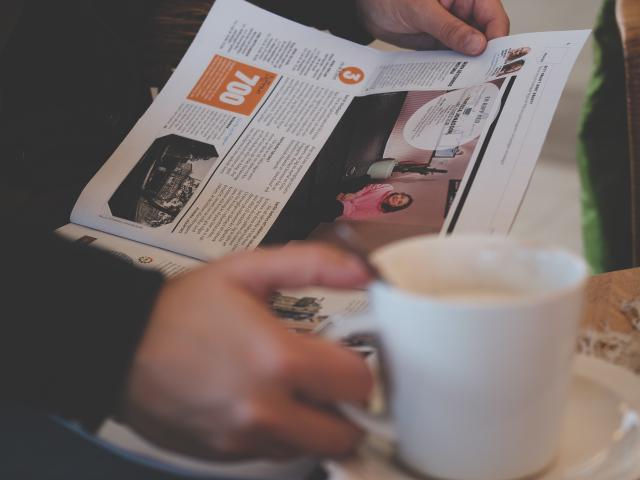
(254,416)
(282,365)
(450,32)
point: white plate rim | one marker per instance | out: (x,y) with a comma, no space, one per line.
(616,378)
(619,380)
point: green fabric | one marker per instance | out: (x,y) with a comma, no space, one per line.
(603,153)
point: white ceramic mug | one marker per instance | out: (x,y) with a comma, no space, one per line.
(478,334)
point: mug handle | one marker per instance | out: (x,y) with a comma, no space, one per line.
(340,328)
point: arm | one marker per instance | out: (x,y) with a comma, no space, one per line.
(197,364)
(71,319)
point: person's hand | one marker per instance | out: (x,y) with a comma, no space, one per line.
(217,376)
(462,25)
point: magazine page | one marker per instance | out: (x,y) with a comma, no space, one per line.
(144,256)
(433,142)
(213,161)
(446,143)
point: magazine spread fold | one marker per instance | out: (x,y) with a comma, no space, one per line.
(270,131)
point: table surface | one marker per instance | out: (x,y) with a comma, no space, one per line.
(611,324)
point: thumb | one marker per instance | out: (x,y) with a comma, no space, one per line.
(294,266)
(441,24)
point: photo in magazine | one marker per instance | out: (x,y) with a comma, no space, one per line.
(405,164)
(164,181)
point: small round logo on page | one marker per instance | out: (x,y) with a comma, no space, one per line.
(145,259)
(351,75)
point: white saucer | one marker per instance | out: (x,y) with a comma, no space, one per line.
(601,435)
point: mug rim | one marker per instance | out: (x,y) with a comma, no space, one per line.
(526,299)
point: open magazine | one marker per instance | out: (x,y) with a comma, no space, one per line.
(270,131)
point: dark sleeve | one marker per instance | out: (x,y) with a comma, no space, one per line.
(72,317)
(340,17)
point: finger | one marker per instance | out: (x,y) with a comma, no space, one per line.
(491,18)
(316,432)
(414,41)
(188,442)
(332,373)
(463,9)
(296,266)
(445,26)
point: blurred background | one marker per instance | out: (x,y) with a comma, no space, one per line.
(551,209)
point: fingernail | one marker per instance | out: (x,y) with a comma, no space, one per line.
(474,44)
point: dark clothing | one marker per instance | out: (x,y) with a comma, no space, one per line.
(603,152)
(71,317)
(71,87)
(338,16)
(34,446)
(70,91)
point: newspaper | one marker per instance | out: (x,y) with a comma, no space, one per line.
(269,130)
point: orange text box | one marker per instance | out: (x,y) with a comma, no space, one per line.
(232,85)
